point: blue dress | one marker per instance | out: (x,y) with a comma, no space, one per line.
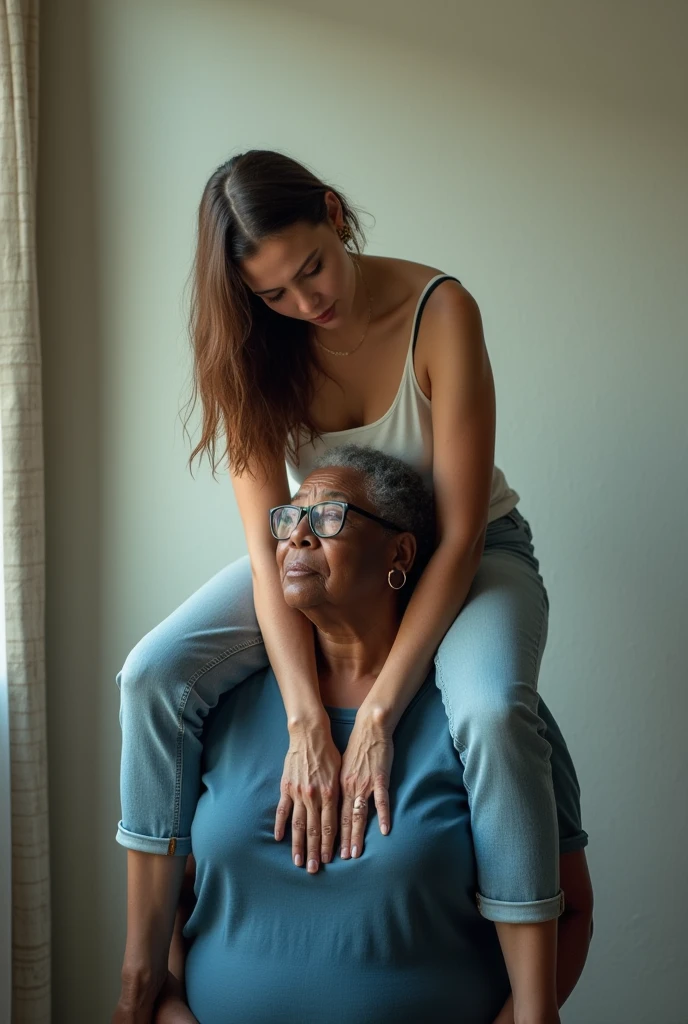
(394,937)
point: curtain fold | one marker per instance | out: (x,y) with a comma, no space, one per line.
(22,482)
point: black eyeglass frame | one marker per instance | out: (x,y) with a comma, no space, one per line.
(304,510)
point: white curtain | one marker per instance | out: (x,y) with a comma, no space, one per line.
(23,512)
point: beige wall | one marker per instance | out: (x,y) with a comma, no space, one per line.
(561,206)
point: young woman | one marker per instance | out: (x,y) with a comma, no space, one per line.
(302,343)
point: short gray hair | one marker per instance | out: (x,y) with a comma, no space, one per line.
(396,492)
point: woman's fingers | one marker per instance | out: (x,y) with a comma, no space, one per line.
(345,829)
(312,834)
(328,825)
(282,815)
(299,820)
(358,825)
(305,829)
(381,797)
(354,821)
(366,767)
(310,791)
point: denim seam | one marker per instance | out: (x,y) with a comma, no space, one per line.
(558,901)
(536,672)
(538,655)
(461,747)
(179,766)
(445,696)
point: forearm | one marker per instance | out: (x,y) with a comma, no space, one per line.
(437,600)
(530,955)
(573,942)
(187,901)
(153,887)
(289,643)
(309,787)
(171,1007)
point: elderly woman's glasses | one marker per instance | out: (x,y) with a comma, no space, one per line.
(325,518)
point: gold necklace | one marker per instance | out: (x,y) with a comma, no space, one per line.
(334,352)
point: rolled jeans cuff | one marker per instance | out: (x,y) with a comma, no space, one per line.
(172,846)
(521,913)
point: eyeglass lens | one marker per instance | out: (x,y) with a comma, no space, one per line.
(325,519)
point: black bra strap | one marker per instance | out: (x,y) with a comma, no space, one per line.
(439,280)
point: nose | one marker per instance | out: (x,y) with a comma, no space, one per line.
(308,304)
(302,536)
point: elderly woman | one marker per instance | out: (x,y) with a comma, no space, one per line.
(398,936)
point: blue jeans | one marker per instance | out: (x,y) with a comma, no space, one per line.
(487,671)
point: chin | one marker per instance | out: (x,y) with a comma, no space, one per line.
(302,593)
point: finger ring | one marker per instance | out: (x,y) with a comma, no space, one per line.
(359,802)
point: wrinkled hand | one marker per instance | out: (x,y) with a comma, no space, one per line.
(310,792)
(366,767)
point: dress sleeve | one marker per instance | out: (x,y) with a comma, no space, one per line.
(572,836)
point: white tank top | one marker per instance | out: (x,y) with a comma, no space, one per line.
(405,430)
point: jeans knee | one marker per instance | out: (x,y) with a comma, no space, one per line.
(496,721)
(141,679)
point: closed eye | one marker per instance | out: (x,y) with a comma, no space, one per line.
(311,273)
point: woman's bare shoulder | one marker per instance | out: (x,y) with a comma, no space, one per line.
(402,271)
(399,281)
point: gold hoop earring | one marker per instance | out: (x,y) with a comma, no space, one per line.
(389,578)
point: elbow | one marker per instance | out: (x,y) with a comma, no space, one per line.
(577,886)
(581,917)
(587,906)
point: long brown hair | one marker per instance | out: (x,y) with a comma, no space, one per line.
(252,366)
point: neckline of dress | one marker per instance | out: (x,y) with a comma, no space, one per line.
(347,716)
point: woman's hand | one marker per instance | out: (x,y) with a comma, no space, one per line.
(310,792)
(366,767)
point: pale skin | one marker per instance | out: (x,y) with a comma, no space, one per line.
(302,272)
(340,585)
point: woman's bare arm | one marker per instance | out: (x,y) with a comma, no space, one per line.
(153,886)
(575,930)
(310,782)
(463,421)
(171,1006)
(574,939)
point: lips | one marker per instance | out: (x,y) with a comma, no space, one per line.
(298,569)
(325,315)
